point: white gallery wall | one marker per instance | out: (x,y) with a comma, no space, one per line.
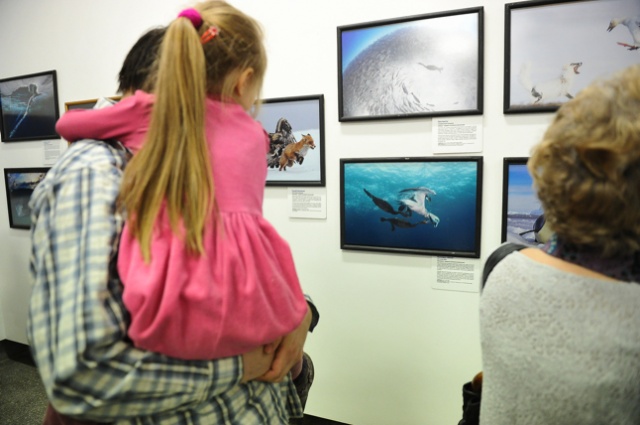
(389,349)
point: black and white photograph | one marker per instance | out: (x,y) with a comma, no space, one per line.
(554,49)
(295,126)
(428,206)
(417,66)
(19,183)
(29,107)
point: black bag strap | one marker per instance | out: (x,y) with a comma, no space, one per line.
(497,255)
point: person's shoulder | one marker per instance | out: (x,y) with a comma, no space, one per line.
(498,255)
(91,154)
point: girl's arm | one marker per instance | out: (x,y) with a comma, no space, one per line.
(114,122)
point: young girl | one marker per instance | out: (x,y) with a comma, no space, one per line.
(205,275)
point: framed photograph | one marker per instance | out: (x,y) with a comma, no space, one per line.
(554,49)
(296,135)
(417,66)
(86,104)
(29,106)
(429,206)
(522,216)
(19,183)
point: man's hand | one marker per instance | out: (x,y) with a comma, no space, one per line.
(288,353)
(258,361)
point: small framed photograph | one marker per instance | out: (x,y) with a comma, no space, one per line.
(416,66)
(296,136)
(554,49)
(19,183)
(522,216)
(29,107)
(428,206)
(86,104)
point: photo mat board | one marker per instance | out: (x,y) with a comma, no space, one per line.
(554,49)
(522,215)
(19,184)
(29,105)
(428,206)
(417,66)
(295,126)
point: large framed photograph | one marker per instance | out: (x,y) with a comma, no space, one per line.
(296,136)
(19,183)
(523,220)
(416,66)
(29,106)
(554,49)
(429,206)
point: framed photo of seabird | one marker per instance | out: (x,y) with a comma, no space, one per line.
(29,105)
(417,66)
(523,219)
(295,126)
(554,49)
(427,206)
(19,184)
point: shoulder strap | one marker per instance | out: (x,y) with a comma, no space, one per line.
(497,255)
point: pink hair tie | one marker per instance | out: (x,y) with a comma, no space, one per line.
(192,15)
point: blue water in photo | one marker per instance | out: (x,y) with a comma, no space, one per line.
(451,187)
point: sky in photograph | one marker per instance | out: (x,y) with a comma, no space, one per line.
(521,196)
(301,114)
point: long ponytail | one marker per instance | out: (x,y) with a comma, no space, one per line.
(173,164)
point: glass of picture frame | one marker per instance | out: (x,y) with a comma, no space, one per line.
(295,126)
(29,107)
(19,184)
(416,66)
(422,205)
(555,48)
(523,219)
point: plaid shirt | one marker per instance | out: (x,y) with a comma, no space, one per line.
(77,321)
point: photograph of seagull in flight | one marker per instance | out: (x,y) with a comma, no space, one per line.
(633,25)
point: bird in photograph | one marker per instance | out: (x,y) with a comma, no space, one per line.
(633,25)
(559,87)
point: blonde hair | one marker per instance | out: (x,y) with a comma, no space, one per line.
(586,170)
(173,165)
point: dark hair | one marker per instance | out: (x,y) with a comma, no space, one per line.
(139,67)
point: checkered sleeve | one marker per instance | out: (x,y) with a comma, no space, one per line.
(77,321)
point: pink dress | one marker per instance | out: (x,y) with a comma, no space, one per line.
(241,293)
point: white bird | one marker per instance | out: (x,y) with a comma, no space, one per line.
(551,89)
(633,24)
(415,200)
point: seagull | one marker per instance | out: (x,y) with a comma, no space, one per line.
(558,87)
(633,24)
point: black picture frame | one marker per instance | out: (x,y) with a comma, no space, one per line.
(296,132)
(417,66)
(555,48)
(522,214)
(19,185)
(29,107)
(422,205)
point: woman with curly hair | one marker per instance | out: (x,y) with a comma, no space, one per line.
(560,326)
